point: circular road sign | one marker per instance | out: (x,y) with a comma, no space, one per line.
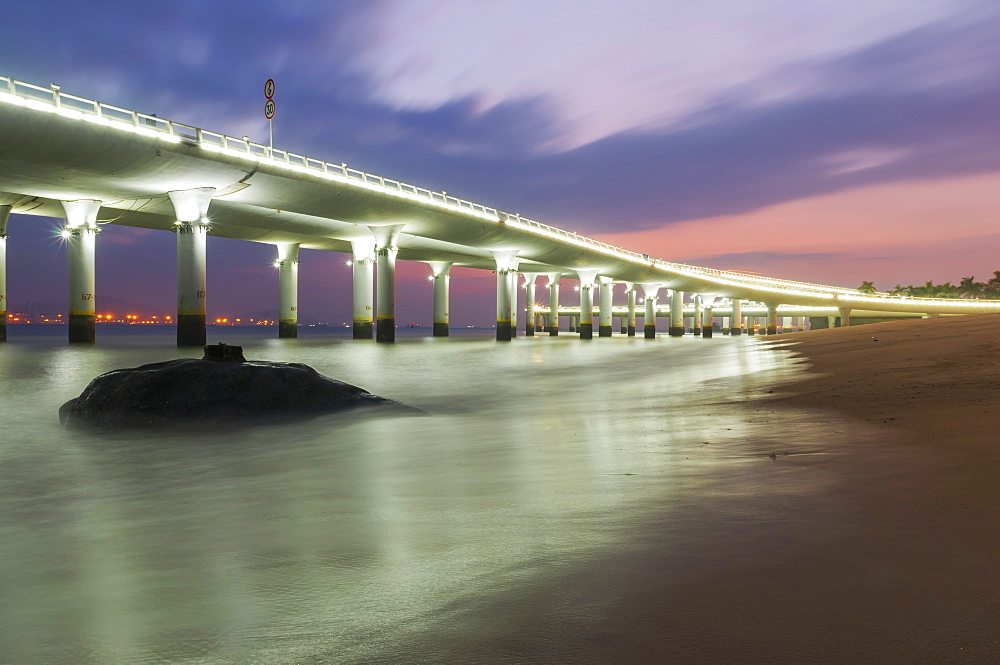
(269,109)
(269,88)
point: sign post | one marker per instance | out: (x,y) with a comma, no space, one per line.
(269,113)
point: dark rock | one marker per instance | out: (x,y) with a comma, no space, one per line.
(206,392)
(224,352)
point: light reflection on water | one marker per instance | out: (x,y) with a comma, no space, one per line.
(351,539)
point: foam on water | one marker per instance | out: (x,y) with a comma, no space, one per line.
(362,538)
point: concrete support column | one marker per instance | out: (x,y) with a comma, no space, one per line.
(441,276)
(529,303)
(845,317)
(573,318)
(287,264)
(4,216)
(586,321)
(649,294)
(506,262)
(553,323)
(736,320)
(707,302)
(676,328)
(190,208)
(631,308)
(696,327)
(363,267)
(512,292)
(385,281)
(81,240)
(607,298)
(772,319)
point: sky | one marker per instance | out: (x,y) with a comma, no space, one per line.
(832,141)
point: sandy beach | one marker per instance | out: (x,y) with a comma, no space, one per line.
(929,551)
(914,576)
(907,570)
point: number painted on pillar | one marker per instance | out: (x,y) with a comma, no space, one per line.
(292,309)
(86,296)
(368,308)
(2,297)
(201,294)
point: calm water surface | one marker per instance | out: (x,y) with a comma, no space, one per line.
(366,538)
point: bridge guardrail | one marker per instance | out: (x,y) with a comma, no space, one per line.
(53,99)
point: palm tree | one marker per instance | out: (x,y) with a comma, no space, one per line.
(867,287)
(946,290)
(969,287)
(992,287)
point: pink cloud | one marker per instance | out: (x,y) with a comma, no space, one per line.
(905,232)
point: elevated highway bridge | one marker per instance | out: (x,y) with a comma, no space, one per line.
(70,157)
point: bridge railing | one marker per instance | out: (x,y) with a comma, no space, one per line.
(53,99)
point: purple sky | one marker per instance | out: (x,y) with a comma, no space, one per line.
(735,134)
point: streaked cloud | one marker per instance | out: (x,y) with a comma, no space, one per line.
(774,132)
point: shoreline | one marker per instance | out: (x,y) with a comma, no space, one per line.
(928,388)
(896,562)
(930,377)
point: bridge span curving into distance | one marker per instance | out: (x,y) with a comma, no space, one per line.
(70,157)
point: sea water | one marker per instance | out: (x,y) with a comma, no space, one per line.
(369,538)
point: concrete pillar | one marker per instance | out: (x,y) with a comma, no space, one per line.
(441,276)
(287,264)
(4,216)
(736,320)
(506,262)
(696,327)
(385,281)
(772,319)
(845,317)
(607,298)
(586,323)
(649,294)
(512,292)
(631,308)
(676,328)
(529,303)
(553,323)
(190,208)
(707,302)
(573,318)
(363,268)
(81,240)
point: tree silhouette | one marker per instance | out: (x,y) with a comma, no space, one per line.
(867,287)
(968,287)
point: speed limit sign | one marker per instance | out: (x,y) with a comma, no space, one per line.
(269,109)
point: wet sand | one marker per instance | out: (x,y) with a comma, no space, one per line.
(899,562)
(914,577)
(927,559)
